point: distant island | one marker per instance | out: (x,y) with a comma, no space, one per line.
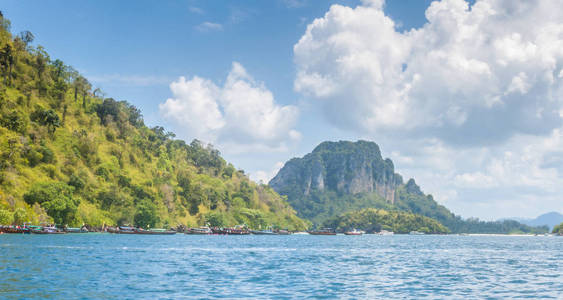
(340,180)
(549,219)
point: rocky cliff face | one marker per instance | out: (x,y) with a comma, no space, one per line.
(343,167)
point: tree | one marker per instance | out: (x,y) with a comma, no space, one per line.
(7,61)
(147,214)
(56,198)
(109,107)
(558,229)
(215,219)
(6,217)
(48,118)
(20,216)
(27,37)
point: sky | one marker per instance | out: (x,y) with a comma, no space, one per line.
(464,97)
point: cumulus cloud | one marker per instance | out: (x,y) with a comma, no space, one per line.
(240,115)
(491,70)
(470,104)
(209,26)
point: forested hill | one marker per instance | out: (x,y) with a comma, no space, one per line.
(70,156)
(337,178)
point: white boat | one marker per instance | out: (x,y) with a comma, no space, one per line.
(354,232)
(200,230)
(414,232)
(385,232)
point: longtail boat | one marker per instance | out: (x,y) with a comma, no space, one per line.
(15,229)
(354,232)
(263,232)
(155,231)
(200,230)
(47,230)
(126,230)
(324,231)
(237,230)
(76,230)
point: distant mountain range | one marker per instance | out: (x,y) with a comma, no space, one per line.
(549,219)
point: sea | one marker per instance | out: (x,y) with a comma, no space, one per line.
(111,266)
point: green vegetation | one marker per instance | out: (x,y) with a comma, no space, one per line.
(375,220)
(320,206)
(70,156)
(558,229)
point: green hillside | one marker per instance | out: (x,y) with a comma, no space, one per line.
(71,156)
(375,220)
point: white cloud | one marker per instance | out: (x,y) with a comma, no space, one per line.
(474,69)
(209,26)
(241,115)
(196,10)
(470,104)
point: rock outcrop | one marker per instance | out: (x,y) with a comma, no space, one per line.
(343,167)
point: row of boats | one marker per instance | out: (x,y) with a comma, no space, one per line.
(50,229)
(203,230)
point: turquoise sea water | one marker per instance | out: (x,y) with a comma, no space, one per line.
(106,266)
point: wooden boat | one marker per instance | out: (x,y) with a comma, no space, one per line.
(15,229)
(237,230)
(354,232)
(112,229)
(200,230)
(217,230)
(263,232)
(126,230)
(158,231)
(76,230)
(47,230)
(324,231)
(283,232)
(385,232)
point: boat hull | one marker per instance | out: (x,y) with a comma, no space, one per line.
(260,232)
(321,233)
(47,232)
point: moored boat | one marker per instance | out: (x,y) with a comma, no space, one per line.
(15,229)
(354,232)
(263,232)
(237,230)
(76,230)
(157,231)
(47,230)
(385,232)
(324,231)
(126,230)
(199,230)
(414,232)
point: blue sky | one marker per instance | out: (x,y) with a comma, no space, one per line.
(451,110)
